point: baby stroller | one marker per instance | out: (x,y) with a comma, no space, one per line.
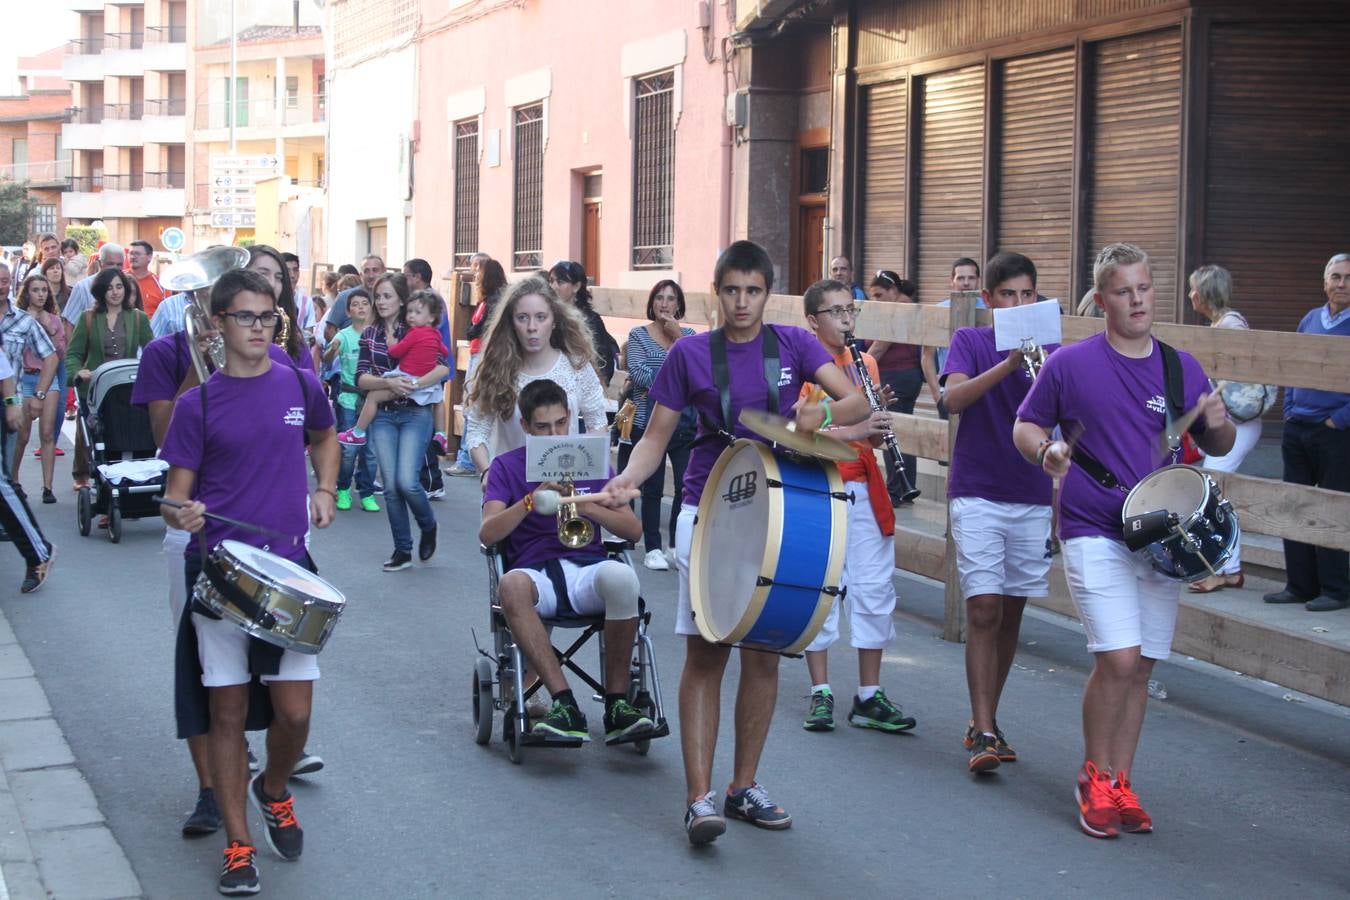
(125,473)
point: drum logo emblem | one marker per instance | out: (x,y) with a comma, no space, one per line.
(741,489)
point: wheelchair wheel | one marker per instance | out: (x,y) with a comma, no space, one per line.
(514,750)
(482,700)
(114,523)
(84,511)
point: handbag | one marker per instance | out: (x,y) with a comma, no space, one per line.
(1247,400)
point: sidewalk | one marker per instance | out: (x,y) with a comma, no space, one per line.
(54,842)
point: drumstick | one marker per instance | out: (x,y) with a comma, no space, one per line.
(547,501)
(247,526)
(1174,430)
(817,394)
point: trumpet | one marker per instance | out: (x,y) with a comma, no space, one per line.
(908,492)
(1033,357)
(194,275)
(574,530)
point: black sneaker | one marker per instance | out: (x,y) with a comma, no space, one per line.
(35,576)
(308,764)
(563,720)
(821,715)
(284,834)
(983,753)
(624,720)
(879,713)
(238,875)
(205,819)
(48,496)
(398,562)
(753,805)
(426,547)
(701,821)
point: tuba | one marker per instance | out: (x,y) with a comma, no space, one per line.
(194,273)
(573,530)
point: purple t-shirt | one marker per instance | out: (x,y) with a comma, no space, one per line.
(1114,407)
(985,463)
(686,379)
(165,363)
(250,465)
(535,540)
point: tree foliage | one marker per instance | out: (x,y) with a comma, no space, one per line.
(16,212)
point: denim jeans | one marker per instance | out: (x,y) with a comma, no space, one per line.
(462,458)
(681,443)
(356,460)
(400,438)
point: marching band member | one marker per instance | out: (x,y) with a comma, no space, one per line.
(697,371)
(869,555)
(1110,396)
(999,505)
(546,578)
(257,472)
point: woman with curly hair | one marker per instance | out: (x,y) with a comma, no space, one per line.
(37,298)
(269,263)
(533,334)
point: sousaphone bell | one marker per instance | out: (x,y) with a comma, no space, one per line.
(199,272)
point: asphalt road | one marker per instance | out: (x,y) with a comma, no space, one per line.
(1248,791)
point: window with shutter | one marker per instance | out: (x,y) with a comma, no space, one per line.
(1134,167)
(882,190)
(951,177)
(466,192)
(1035,172)
(528,230)
(653,171)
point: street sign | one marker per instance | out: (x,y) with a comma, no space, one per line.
(173,239)
(239,219)
(234,186)
(235,161)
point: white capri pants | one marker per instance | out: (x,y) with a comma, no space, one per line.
(869,575)
(222,649)
(1121,600)
(1248,433)
(684,542)
(582,592)
(175,544)
(1000,547)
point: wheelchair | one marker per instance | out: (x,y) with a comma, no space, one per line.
(498,686)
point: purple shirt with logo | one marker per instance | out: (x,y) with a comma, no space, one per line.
(535,540)
(985,463)
(686,379)
(165,363)
(1113,407)
(250,464)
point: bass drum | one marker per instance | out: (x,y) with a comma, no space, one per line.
(767,559)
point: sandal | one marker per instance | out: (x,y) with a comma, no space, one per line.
(1214,583)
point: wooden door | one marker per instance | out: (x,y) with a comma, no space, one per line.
(810,246)
(590,239)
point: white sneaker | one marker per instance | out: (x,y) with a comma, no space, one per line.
(656,561)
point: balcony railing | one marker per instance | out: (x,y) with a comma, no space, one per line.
(166,34)
(90,115)
(173,106)
(165,180)
(124,40)
(309,109)
(87,183)
(47,172)
(89,46)
(132,181)
(123,111)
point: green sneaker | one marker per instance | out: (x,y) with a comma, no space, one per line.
(879,713)
(624,720)
(564,721)
(370,504)
(344,500)
(821,716)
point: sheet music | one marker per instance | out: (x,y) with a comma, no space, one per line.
(1038,322)
(580,457)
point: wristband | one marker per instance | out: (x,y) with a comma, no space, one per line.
(329,491)
(829,416)
(14,400)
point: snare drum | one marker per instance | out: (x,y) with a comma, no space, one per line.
(296,608)
(768,554)
(1206,531)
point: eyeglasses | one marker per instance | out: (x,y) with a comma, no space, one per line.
(838,312)
(248,319)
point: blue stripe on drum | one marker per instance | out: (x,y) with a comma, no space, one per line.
(803,555)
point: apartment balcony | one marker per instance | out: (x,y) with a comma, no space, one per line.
(122,126)
(164,121)
(83,60)
(259,120)
(83,201)
(124,196)
(84,130)
(53,173)
(94,6)
(123,55)
(165,48)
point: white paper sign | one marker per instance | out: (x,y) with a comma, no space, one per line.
(580,457)
(1036,322)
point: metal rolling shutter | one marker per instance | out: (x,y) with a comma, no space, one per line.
(951,177)
(885,109)
(1135,161)
(1276,192)
(1035,192)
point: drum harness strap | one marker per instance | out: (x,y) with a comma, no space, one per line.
(1174,387)
(721,372)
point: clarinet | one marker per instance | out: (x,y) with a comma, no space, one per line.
(908,492)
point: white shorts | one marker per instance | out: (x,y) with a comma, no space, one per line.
(175,542)
(1000,547)
(1121,600)
(684,542)
(222,648)
(581,592)
(869,575)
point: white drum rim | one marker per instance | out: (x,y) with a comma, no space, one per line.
(241,552)
(1191,516)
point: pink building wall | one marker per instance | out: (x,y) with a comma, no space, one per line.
(586,46)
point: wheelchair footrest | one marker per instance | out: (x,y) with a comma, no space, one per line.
(530,739)
(662,729)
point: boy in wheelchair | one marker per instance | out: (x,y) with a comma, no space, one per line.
(548,580)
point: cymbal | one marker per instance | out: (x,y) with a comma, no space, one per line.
(779,430)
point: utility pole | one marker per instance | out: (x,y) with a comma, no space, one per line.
(233,92)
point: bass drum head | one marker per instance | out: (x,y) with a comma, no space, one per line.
(733,529)
(1181,490)
(269,567)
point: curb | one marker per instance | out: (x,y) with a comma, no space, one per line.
(54,841)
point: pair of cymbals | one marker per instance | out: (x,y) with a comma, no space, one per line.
(784,433)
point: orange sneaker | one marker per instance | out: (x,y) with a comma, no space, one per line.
(1132,816)
(1097,813)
